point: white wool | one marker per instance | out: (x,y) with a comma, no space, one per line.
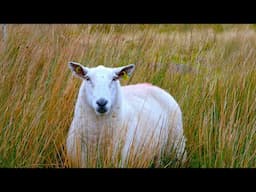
(142,115)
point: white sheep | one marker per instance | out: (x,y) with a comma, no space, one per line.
(137,122)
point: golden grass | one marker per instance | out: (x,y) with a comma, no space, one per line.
(216,94)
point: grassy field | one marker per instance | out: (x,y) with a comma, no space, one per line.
(209,69)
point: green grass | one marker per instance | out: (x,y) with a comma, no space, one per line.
(217,94)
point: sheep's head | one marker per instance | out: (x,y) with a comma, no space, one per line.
(101,84)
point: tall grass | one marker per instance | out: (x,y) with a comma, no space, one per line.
(216,94)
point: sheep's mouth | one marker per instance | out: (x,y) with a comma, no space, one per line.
(102,110)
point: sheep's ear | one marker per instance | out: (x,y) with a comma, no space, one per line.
(77,69)
(125,70)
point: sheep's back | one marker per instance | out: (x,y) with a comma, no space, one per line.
(150,112)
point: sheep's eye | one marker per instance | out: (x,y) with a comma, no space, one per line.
(115,78)
(87,78)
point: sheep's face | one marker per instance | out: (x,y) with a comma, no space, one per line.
(101,85)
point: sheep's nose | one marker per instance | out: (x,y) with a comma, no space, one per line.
(101,102)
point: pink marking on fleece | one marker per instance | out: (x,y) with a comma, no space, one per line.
(145,84)
(137,89)
(139,86)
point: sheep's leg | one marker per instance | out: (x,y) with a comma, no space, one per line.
(76,151)
(125,154)
(180,150)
